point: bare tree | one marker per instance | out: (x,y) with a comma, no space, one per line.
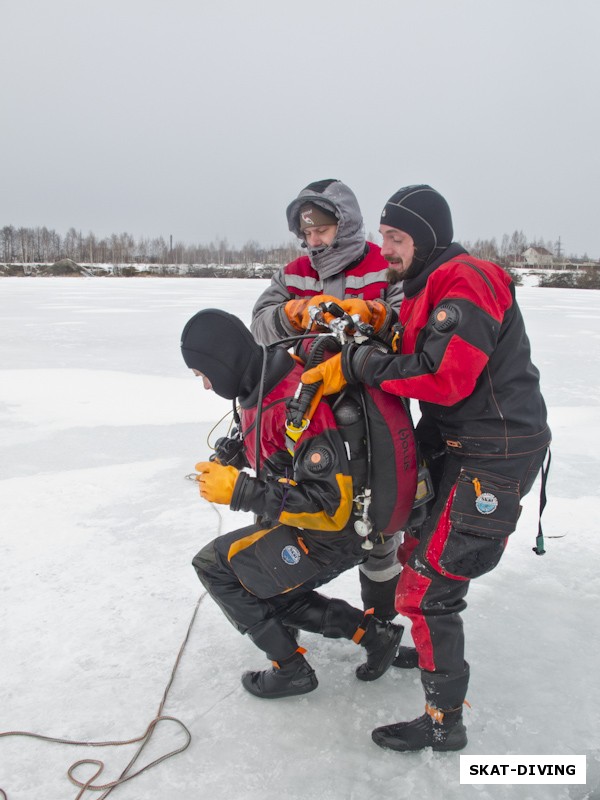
(518,243)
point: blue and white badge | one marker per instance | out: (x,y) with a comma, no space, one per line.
(290,554)
(486,503)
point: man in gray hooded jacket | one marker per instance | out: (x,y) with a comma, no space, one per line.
(341,266)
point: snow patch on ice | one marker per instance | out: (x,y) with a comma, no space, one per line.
(56,399)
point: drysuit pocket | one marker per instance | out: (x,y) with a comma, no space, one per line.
(485,504)
(271,561)
(484,511)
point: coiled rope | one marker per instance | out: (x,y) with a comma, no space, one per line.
(143,740)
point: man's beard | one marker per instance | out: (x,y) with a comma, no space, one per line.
(395,275)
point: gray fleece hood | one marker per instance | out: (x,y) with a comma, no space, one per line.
(349,244)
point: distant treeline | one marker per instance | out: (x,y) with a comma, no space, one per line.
(44,245)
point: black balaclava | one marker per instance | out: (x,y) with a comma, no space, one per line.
(425,215)
(221,347)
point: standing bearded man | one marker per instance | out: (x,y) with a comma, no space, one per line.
(460,349)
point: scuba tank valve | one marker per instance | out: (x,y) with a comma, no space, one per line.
(364,526)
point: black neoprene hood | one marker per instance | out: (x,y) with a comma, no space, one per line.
(424,214)
(220,346)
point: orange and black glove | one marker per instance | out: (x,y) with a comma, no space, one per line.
(297,310)
(330,373)
(216,482)
(381,315)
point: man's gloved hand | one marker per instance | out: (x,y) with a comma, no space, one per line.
(380,314)
(297,310)
(354,305)
(373,312)
(330,372)
(216,482)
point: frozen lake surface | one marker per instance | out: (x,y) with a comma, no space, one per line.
(99,422)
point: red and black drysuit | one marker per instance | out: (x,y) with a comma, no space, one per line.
(463,352)
(263,576)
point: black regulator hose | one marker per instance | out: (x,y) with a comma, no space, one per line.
(259,403)
(298,406)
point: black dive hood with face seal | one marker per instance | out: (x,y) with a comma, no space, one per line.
(221,347)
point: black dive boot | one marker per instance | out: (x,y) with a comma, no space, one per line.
(290,674)
(407,658)
(440,730)
(286,678)
(380,640)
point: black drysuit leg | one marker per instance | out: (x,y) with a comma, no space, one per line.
(247,613)
(452,551)
(332,618)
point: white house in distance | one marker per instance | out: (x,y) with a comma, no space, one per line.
(538,257)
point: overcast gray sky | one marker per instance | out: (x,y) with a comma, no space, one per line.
(204,118)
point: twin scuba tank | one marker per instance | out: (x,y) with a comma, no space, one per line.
(380,444)
(379,437)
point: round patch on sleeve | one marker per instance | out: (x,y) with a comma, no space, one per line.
(318,459)
(445,317)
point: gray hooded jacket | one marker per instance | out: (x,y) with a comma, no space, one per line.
(269,321)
